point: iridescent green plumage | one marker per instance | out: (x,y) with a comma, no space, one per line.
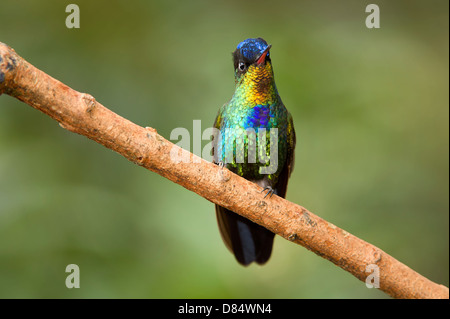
(254,116)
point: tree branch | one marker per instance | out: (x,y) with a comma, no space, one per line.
(82,114)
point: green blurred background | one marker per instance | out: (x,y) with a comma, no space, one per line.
(370,108)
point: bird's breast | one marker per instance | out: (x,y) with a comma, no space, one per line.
(248,136)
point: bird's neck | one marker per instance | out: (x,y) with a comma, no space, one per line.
(252,93)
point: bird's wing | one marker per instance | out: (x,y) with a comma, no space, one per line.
(215,138)
(288,167)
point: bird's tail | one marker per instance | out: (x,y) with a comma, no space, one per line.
(247,240)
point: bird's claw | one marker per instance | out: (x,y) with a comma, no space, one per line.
(269,190)
(223,173)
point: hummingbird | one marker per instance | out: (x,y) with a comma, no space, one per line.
(256,140)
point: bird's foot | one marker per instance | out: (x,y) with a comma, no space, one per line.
(269,190)
(223,173)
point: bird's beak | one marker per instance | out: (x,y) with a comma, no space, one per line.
(263,55)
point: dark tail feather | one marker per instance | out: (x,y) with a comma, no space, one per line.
(248,241)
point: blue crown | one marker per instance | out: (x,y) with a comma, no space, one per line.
(251,49)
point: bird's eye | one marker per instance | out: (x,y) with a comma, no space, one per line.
(241,66)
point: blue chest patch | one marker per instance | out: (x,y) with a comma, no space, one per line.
(259,117)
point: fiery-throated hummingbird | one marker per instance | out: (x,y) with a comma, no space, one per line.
(256,141)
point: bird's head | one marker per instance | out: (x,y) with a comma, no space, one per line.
(253,67)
